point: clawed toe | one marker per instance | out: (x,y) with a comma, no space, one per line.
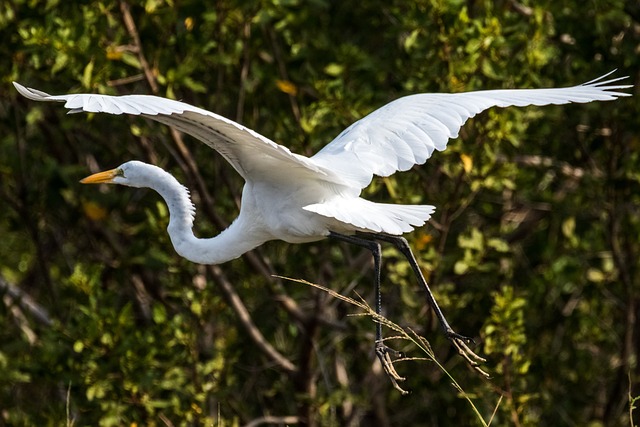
(385,351)
(460,342)
(384,355)
(456,336)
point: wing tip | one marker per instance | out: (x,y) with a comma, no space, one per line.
(600,82)
(607,87)
(30,93)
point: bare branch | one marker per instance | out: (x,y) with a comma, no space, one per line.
(133,32)
(25,302)
(521,9)
(548,162)
(271,419)
(245,319)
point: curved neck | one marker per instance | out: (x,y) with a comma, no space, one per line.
(237,239)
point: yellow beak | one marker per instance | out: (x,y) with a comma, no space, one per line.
(105,177)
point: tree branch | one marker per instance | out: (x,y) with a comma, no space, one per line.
(272,419)
(25,302)
(245,319)
(133,32)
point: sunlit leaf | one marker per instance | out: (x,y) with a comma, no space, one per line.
(287,87)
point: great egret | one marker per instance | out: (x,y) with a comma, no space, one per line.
(300,199)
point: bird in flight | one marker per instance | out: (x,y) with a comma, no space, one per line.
(301,199)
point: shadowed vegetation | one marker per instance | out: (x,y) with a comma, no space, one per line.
(533,249)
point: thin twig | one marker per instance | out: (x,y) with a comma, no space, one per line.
(406,334)
(25,302)
(126,80)
(282,71)
(244,71)
(632,399)
(271,419)
(133,32)
(564,168)
(67,405)
(521,9)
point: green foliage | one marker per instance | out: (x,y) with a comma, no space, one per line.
(505,340)
(533,248)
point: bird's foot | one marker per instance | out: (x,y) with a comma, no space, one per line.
(384,354)
(462,344)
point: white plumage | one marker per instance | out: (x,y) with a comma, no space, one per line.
(307,198)
(299,199)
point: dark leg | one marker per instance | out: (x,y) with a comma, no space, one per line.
(459,341)
(382,351)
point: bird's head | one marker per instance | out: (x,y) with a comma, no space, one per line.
(132,174)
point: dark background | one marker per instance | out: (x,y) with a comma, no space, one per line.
(533,249)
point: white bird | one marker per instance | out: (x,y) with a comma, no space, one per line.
(299,199)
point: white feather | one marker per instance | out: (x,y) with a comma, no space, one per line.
(393,138)
(434,119)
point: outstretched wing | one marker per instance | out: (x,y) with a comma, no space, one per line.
(251,154)
(406,131)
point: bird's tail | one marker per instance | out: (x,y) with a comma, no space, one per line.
(369,216)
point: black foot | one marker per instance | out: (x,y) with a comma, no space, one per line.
(454,335)
(384,355)
(461,343)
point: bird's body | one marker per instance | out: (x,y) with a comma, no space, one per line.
(300,199)
(269,211)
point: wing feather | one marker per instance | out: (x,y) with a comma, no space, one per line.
(393,138)
(408,130)
(251,154)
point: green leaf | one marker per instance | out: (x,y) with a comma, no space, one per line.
(334,69)
(87,75)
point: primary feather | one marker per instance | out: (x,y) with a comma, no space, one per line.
(408,130)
